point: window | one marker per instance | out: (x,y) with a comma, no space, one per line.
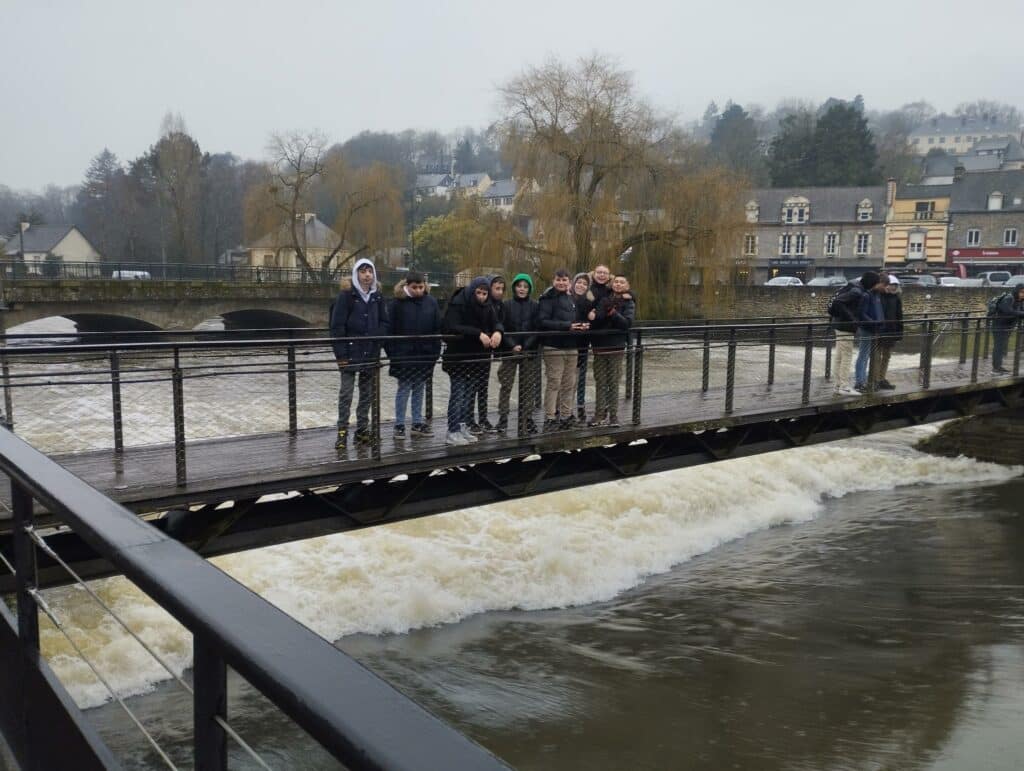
(750,245)
(915,246)
(864,210)
(801,215)
(942,140)
(973,236)
(916,141)
(831,244)
(924,210)
(863,244)
(786,244)
(1010,237)
(956,139)
(995,201)
(752,211)
(789,214)
(801,243)
(931,140)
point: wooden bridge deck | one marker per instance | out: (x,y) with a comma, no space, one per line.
(143,478)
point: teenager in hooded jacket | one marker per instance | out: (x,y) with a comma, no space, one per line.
(519,352)
(357,311)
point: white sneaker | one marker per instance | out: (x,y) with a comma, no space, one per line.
(848,392)
(455,438)
(468,435)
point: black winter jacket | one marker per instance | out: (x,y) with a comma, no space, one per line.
(557,313)
(1008,312)
(467,322)
(615,315)
(351,316)
(892,328)
(521,316)
(412,316)
(845,310)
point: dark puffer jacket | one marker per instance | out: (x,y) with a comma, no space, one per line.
(846,306)
(557,313)
(1009,311)
(351,316)
(465,319)
(892,309)
(412,316)
(521,316)
(615,315)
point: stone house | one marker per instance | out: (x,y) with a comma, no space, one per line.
(916,227)
(986,230)
(956,134)
(275,250)
(40,244)
(812,231)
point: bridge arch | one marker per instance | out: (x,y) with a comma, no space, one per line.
(261,318)
(109,322)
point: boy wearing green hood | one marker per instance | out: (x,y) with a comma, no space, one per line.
(520,352)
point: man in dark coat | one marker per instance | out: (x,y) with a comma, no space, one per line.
(891,331)
(557,313)
(413,312)
(1009,312)
(471,320)
(357,311)
(520,351)
(496,286)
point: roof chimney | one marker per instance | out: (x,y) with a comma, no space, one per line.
(890,191)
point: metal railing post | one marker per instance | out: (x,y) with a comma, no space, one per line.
(705,378)
(375,411)
(1017,350)
(771,354)
(5,370)
(965,326)
(988,336)
(926,355)
(178,396)
(873,363)
(293,417)
(428,397)
(638,378)
(830,341)
(805,394)
(730,372)
(977,350)
(115,399)
(25,569)
(629,368)
(210,701)
(524,394)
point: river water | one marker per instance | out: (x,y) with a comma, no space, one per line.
(857,605)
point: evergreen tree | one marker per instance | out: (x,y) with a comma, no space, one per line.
(735,144)
(791,156)
(844,149)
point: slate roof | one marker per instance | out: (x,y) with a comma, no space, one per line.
(970,194)
(38,238)
(471,179)
(433,180)
(828,204)
(943,125)
(910,192)
(501,188)
(317,236)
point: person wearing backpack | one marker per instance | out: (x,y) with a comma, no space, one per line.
(1008,311)
(844,310)
(357,311)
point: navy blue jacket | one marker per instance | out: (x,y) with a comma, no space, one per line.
(615,315)
(412,316)
(557,313)
(352,317)
(465,319)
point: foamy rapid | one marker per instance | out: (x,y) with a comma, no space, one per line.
(552,551)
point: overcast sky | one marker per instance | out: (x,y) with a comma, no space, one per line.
(79,76)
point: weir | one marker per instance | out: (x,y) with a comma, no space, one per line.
(246,460)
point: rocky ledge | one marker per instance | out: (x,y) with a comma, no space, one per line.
(997,438)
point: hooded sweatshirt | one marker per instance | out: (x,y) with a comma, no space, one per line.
(465,319)
(521,316)
(356,313)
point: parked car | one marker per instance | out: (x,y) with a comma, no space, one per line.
(918,279)
(130,274)
(994,277)
(827,281)
(950,281)
(784,281)
(1015,281)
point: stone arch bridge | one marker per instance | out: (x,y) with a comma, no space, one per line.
(142,305)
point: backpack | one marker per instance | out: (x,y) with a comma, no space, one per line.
(993,304)
(839,299)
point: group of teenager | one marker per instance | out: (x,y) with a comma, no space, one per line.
(578,320)
(867,315)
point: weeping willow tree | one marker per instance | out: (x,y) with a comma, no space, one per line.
(617,184)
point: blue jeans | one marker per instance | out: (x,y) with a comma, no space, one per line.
(865,342)
(460,399)
(414,386)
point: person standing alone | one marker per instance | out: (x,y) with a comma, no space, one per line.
(1009,311)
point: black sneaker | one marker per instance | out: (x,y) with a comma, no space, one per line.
(568,424)
(885,385)
(399,432)
(487,426)
(1000,371)
(342,439)
(502,426)
(581,413)
(862,389)
(474,429)
(363,436)
(613,422)
(551,424)
(421,429)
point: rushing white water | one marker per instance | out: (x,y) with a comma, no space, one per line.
(551,551)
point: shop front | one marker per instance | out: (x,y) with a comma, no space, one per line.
(970,262)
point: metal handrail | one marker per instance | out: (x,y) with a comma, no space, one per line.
(356,716)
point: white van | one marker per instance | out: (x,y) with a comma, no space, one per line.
(127,274)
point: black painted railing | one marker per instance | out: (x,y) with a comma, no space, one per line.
(353,714)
